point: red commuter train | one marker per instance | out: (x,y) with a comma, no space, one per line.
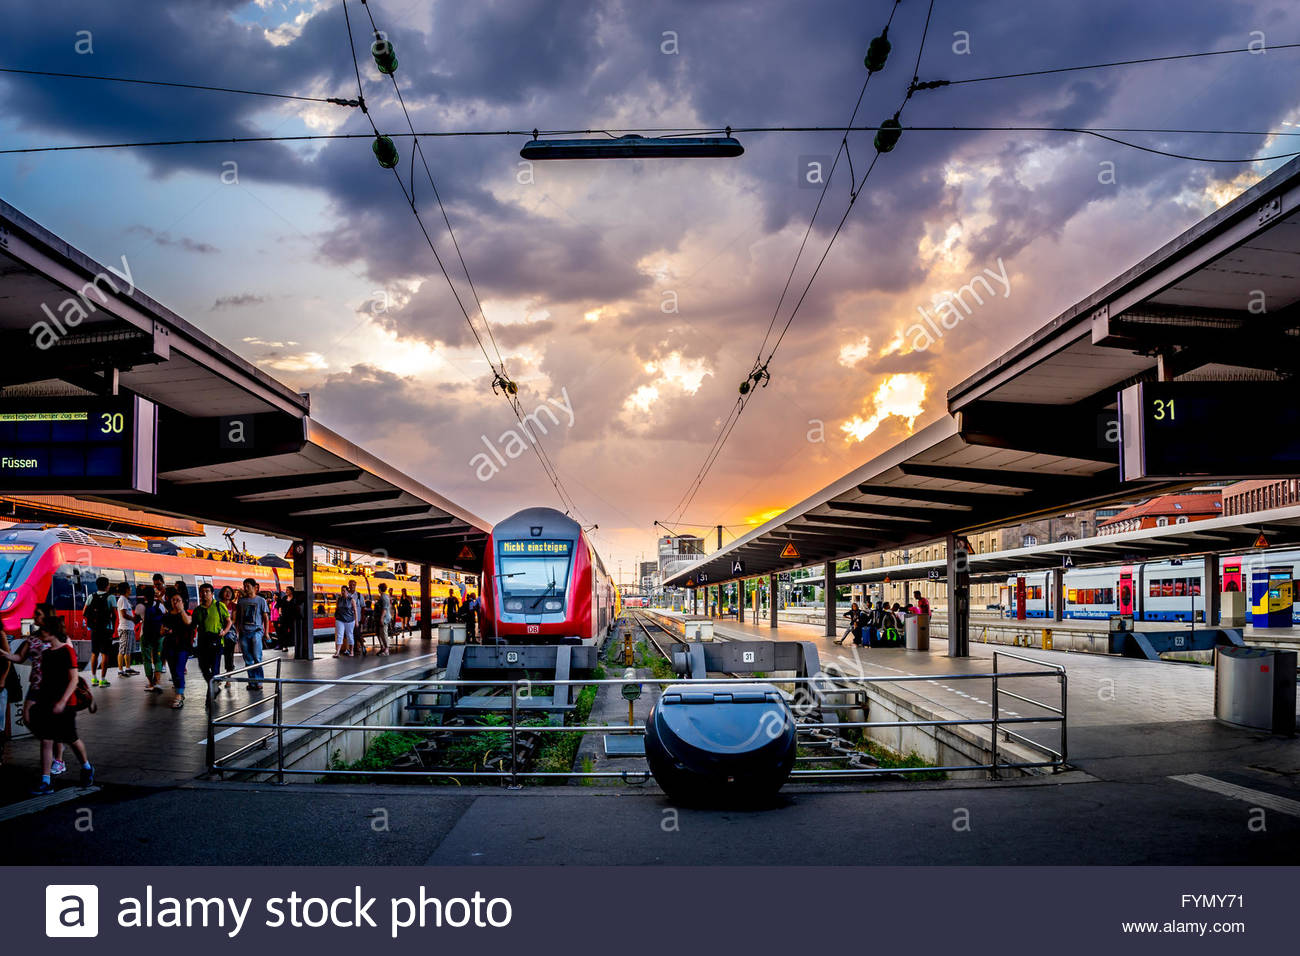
(59,565)
(543,583)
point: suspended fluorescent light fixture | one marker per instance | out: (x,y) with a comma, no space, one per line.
(634,146)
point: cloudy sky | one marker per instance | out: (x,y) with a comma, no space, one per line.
(636,293)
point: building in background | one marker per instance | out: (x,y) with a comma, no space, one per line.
(648,576)
(677,552)
(1244,497)
(1164,510)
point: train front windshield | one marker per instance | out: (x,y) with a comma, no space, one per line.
(534,575)
(13,560)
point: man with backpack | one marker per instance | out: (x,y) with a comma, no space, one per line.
(211,624)
(101,619)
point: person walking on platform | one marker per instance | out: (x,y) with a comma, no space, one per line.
(470,613)
(211,624)
(345,619)
(178,643)
(404,609)
(383,618)
(450,607)
(154,610)
(125,613)
(227,597)
(286,624)
(360,613)
(52,718)
(100,617)
(854,614)
(922,605)
(252,618)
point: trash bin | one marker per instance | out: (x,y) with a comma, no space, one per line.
(451,634)
(710,741)
(916,631)
(1255,687)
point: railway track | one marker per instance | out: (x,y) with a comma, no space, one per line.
(819,745)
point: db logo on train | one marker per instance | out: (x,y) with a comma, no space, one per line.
(534,628)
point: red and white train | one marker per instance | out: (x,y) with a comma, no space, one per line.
(543,583)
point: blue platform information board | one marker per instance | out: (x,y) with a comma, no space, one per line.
(78,445)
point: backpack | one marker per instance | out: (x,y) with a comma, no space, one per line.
(96,613)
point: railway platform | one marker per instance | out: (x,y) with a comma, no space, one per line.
(1123,712)
(1142,739)
(136,738)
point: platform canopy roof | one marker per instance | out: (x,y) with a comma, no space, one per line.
(1025,436)
(288,475)
(1231,534)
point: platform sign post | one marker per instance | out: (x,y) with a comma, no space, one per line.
(79,445)
(304,641)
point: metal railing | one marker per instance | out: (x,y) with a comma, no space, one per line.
(802,706)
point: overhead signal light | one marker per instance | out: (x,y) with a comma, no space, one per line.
(634,146)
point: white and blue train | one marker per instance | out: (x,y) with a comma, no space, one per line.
(1154,591)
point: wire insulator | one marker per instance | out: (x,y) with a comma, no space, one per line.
(877,52)
(384,54)
(890,132)
(385,152)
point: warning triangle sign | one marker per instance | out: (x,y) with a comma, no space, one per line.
(466,553)
(790,551)
(1260,542)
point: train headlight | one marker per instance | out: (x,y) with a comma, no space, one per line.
(10,600)
(554,606)
(514,605)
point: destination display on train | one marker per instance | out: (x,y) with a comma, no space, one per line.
(1171,430)
(71,445)
(538,547)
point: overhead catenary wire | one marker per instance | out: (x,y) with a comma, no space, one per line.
(497,367)
(509,392)
(760,370)
(1102,132)
(840,151)
(1114,63)
(335,100)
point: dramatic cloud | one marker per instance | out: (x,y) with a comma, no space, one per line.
(641,290)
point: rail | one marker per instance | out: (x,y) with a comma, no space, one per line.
(824,683)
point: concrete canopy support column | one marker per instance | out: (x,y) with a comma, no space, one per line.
(1211,590)
(426,602)
(958,598)
(771,601)
(1058,594)
(695,601)
(832,622)
(304,642)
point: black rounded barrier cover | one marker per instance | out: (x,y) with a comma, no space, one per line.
(720,742)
